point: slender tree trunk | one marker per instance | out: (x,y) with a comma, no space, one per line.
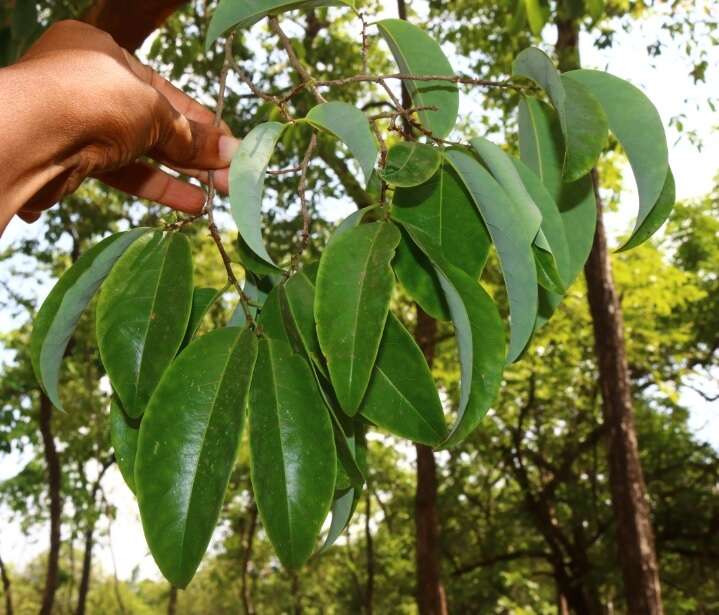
(52,462)
(7,589)
(637,555)
(430,593)
(86,570)
(369,586)
(172,601)
(246,558)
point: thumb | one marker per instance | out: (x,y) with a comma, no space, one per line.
(184,142)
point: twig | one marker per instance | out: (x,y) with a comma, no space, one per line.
(306,218)
(458,79)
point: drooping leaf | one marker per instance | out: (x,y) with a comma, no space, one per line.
(354,287)
(581,117)
(410,164)
(343,507)
(537,15)
(443,209)
(58,316)
(202,301)
(512,232)
(402,397)
(247,184)
(253,263)
(540,143)
(349,125)
(636,123)
(292,452)
(124,432)
(480,339)
(416,53)
(142,314)
(234,14)
(657,217)
(188,444)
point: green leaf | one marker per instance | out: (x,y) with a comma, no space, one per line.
(142,315)
(537,15)
(252,263)
(582,119)
(416,53)
(187,448)
(511,231)
(480,339)
(202,300)
(349,125)
(60,312)
(636,123)
(402,397)
(411,164)
(256,289)
(245,13)
(547,271)
(292,452)
(657,217)
(595,8)
(124,432)
(541,143)
(354,287)
(247,184)
(343,508)
(443,209)
(353,220)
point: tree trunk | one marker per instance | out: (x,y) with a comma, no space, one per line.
(430,593)
(246,558)
(172,601)
(86,570)
(52,462)
(6,588)
(369,587)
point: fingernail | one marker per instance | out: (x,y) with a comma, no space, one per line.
(228,146)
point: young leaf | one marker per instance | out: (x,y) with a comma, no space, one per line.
(480,339)
(443,209)
(202,301)
(124,432)
(349,125)
(142,315)
(247,184)
(60,312)
(411,164)
(636,123)
(512,231)
(416,53)
(187,448)
(354,287)
(402,397)
(234,14)
(582,119)
(292,452)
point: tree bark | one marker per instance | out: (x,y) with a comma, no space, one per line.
(52,462)
(130,21)
(6,587)
(431,599)
(369,586)
(246,558)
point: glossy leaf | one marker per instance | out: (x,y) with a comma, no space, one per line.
(411,164)
(292,452)
(247,184)
(480,340)
(142,315)
(443,209)
(417,53)
(636,123)
(124,432)
(657,217)
(511,231)
(245,13)
(354,287)
(581,117)
(202,301)
(402,397)
(349,125)
(60,312)
(187,448)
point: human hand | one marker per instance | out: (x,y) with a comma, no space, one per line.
(102,109)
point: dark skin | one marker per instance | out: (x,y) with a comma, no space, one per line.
(77,105)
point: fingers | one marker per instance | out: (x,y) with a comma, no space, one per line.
(29,216)
(183,103)
(146,182)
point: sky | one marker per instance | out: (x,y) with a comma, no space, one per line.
(669,86)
